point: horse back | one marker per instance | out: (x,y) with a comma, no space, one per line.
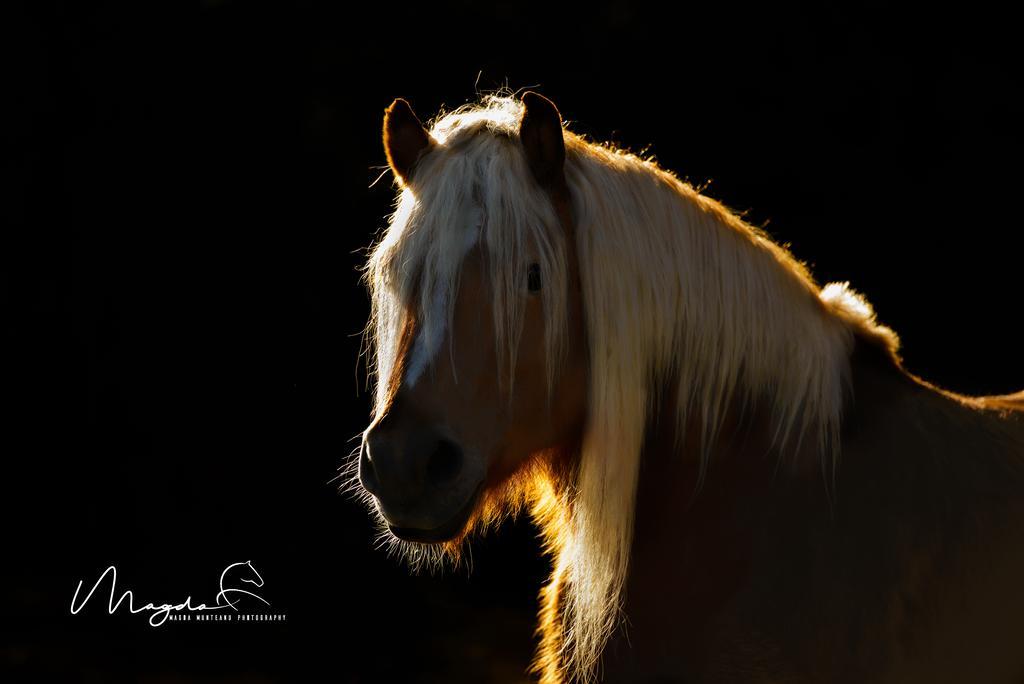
(1006,402)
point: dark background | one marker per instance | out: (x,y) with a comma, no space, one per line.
(186,199)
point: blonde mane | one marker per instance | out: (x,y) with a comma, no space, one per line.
(677,290)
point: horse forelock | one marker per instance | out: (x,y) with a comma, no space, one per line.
(474,188)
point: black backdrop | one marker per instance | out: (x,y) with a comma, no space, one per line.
(186,198)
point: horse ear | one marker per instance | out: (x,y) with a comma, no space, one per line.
(405,139)
(540,131)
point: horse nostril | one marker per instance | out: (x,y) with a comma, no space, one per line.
(445,463)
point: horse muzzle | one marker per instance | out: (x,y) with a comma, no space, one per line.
(425,485)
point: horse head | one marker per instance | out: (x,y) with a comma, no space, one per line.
(478,325)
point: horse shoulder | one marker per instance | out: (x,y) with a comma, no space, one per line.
(932,502)
(909,569)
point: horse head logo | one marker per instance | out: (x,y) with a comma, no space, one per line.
(247,574)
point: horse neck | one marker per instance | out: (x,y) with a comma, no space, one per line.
(672,492)
(747,471)
(695,537)
(745,317)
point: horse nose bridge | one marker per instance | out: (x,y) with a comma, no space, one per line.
(402,410)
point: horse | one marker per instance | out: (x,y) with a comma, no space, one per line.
(734,475)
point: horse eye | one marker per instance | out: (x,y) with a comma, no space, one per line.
(533,278)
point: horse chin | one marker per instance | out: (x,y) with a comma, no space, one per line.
(453,528)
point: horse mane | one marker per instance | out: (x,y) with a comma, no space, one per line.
(678,292)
